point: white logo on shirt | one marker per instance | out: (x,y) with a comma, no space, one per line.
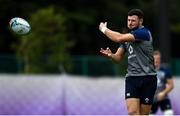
(130,49)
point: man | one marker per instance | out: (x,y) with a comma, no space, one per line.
(164,86)
(141,81)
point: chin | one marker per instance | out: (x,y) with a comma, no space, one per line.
(131,27)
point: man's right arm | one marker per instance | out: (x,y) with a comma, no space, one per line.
(116,36)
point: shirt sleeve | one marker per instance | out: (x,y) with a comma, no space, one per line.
(168,73)
(141,34)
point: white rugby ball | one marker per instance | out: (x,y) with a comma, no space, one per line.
(19,26)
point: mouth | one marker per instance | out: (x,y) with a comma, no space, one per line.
(130,27)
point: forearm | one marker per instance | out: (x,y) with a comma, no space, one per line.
(115,58)
(112,35)
(115,36)
(168,89)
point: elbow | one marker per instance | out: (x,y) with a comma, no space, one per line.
(117,60)
(119,39)
(172,87)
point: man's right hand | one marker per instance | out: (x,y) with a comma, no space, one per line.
(103,27)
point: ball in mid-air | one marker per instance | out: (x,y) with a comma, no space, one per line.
(19,26)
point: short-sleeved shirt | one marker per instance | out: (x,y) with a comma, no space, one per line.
(163,74)
(140,53)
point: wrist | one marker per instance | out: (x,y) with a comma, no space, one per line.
(164,93)
(110,56)
(103,29)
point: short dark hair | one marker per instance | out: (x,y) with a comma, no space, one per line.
(157,52)
(136,12)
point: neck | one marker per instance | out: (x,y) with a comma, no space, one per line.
(158,67)
(141,26)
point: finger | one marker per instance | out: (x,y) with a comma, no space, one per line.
(105,23)
(101,49)
(101,23)
(108,49)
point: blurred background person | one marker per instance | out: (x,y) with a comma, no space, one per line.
(164,86)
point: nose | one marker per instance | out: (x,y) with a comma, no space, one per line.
(130,22)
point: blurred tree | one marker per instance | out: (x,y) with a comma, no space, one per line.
(46,46)
(82,18)
(175,27)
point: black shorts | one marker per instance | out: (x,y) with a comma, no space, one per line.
(142,87)
(164,105)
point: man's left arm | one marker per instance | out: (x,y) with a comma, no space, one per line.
(169,88)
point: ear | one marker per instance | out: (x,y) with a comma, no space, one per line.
(141,21)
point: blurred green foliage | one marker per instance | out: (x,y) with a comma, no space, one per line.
(45,47)
(61,28)
(83,17)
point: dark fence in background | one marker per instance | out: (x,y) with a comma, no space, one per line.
(9,64)
(96,66)
(80,65)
